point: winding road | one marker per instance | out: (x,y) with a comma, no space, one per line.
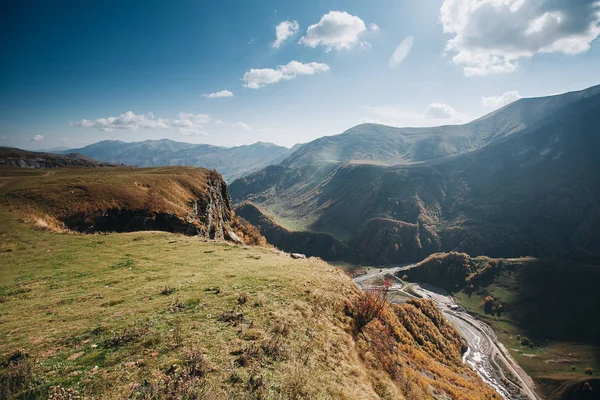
(485,354)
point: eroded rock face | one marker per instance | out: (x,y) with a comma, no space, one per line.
(209,215)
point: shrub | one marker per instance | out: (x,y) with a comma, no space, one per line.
(589,371)
(488,304)
(167,290)
(242,298)
(18,379)
(369,305)
(195,363)
(525,341)
(232,316)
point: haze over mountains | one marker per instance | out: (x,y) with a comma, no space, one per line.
(520,181)
(231,162)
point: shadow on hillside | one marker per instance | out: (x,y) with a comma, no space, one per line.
(558,300)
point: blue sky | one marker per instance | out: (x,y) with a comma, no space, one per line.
(82,72)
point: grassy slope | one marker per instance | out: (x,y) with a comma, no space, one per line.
(130,314)
(558,358)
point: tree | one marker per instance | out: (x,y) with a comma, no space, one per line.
(370,304)
(488,304)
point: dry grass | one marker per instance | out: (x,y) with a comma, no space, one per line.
(243,322)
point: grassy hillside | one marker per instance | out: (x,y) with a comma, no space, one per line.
(541,310)
(187,200)
(157,315)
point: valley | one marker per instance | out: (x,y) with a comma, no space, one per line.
(485,354)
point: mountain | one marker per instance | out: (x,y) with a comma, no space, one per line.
(522,180)
(143,314)
(384,145)
(30,159)
(232,162)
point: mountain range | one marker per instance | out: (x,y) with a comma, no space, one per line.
(231,162)
(522,180)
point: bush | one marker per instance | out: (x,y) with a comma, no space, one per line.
(488,304)
(242,298)
(167,290)
(18,379)
(525,341)
(369,305)
(589,371)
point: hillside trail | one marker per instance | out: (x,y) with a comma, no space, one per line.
(485,354)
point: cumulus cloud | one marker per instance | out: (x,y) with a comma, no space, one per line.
(37,138)
(401,52)
(129,120)
(501,100)
(337,30)
(218,95)
(397,115)
(490,36)
(241,126)
(442,111)
(257,78)
(283,31)
(189,124)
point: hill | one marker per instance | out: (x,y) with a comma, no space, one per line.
(186,200)
(527,191)
(30,159)
(385,145)
(231,162)
(159,315)
(532,306)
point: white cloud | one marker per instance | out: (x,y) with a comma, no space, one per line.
(401,52)
(336,30)
(396,115)
(442,111)
(3,137)
(129,120)
(283,31)
(257,78)
(241,126)
(218,95)
(37,138)
(501,100)
(218,122)
(490,36)
(189,124)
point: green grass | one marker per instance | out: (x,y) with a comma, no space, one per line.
(548,357)
(67,297)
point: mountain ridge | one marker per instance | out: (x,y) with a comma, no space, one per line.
(494,200)
(231,162)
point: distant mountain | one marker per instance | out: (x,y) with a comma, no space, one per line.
(522,180)
(385,145)
(30,159)
(232,162)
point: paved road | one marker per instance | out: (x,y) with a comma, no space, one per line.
(485,353)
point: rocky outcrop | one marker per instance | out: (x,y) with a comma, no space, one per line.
(209,214)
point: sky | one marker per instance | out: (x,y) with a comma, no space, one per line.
(230,73)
